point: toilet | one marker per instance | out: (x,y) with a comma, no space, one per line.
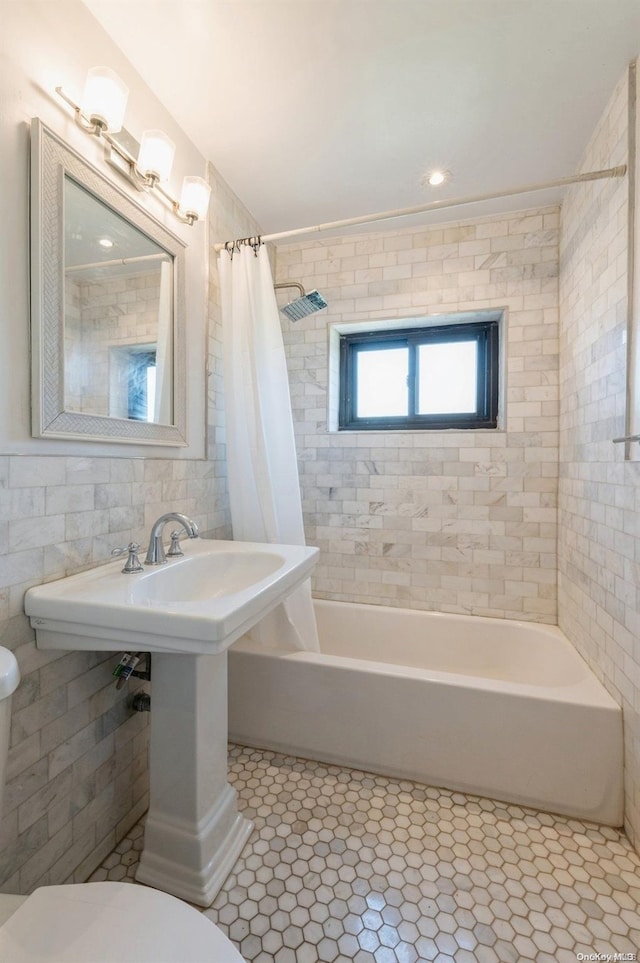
(99,922)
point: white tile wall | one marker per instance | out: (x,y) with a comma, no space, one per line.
(460,521)
(599,536)
(78,774)
(77,777)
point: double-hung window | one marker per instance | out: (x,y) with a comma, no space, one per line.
(437,376)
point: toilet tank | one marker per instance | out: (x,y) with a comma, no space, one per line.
(9,679)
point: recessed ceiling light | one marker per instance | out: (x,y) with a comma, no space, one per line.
(105,242)
(435,178)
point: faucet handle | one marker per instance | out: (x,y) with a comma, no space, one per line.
(174,548)
(133,563)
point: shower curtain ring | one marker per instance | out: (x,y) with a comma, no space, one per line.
(255,243)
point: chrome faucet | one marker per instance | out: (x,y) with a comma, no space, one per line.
(155,552)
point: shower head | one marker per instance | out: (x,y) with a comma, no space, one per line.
(301,307)
(304,305)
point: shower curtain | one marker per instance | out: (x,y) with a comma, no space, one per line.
(264,487)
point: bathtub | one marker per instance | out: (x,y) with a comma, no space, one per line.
(492,707)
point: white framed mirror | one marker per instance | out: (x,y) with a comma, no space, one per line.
(107,307)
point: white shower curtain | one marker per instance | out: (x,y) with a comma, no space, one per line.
(264,487)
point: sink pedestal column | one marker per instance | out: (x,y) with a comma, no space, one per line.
(194,832)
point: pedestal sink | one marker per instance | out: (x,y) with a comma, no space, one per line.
(187,612)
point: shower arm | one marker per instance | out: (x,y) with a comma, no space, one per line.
(291,284)
(619,171)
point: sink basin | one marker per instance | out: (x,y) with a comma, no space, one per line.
(197,578)
(199,603)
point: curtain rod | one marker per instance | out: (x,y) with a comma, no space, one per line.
(442,205)
(117,261)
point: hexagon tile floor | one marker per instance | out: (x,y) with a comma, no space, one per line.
(347,866)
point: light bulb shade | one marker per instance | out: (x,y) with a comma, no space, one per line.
(104,99)
(194,199)
(156,155)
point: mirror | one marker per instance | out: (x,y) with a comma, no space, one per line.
(118,314)
(108,324)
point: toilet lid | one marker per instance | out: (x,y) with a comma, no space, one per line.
(111,923)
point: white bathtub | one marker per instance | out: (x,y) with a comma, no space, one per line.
(492,707)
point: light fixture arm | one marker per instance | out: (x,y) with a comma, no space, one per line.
(126,163)
(83,122)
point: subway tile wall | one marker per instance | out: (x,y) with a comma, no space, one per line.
(78,764)
(459,521)
(599,533)
(77,773)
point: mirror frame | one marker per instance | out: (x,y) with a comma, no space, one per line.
(51,160)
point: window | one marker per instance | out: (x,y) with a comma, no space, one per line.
(133,382)
(142,385)
(440,376)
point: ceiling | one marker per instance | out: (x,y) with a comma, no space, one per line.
(317,110)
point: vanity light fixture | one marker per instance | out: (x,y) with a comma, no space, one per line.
(146,165)
(194,200)
(104,99)
(155,158)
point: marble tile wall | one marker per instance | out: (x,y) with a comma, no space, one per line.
(460,521)
(77,772)
(599,533)
(78,768)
